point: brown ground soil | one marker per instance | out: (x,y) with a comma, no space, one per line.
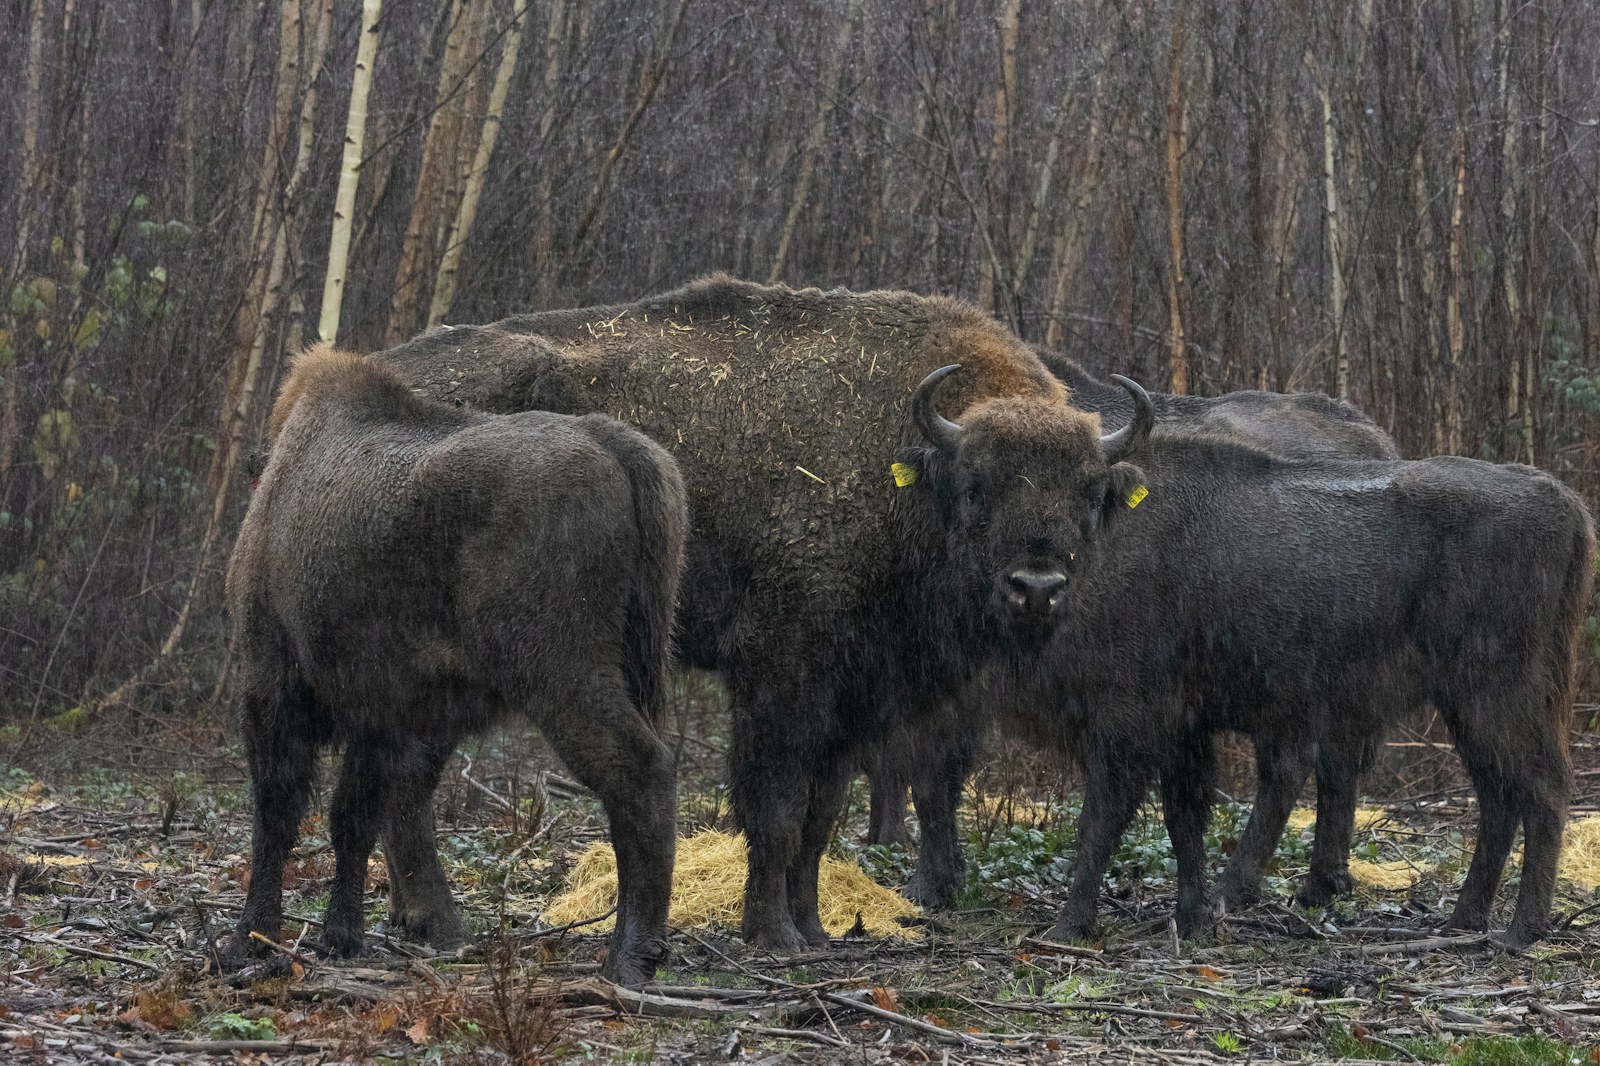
(123,847)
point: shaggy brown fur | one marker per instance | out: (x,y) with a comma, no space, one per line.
(832,602)
(408,572)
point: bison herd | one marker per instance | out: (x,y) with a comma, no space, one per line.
(886,522)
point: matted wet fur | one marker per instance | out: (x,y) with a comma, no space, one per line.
(1309,604)
(832,601)
(408,572)
(934,759)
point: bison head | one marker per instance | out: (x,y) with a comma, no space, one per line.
(1026,487)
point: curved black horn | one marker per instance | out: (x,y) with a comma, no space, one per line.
(940,431)
(1124,442)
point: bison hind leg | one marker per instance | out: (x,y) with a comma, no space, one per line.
(281,749)
(360,807)
(420,905)
(610,748)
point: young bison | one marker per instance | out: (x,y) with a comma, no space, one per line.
(407,573)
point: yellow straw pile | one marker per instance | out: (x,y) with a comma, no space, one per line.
(708,889)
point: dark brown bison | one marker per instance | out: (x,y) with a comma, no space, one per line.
(935,757)
(407,573)
(832,601)
(1308,604)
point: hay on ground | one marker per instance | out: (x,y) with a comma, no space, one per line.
(1580,852)
(708,889)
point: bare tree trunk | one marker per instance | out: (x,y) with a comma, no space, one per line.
(1330,214)
(444,289)
(1176,120)
(28,186)
(1005,97)
(437,147)
(278,223)
(544,236)
(814,139)
(1455,328)
(344,203)
(650,82)
(1513,341)
(1067,256)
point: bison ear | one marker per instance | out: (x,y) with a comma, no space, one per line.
(1125,489)
(924,473)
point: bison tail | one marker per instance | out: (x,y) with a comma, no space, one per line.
(661,511)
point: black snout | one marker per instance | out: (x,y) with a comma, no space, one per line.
(1035,592)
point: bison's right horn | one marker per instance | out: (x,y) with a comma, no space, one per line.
(1124,442)
(939,430)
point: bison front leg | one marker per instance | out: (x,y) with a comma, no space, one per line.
(360,808)
(1281,768)
(420,906)
(1112,791)
(887,784)
(944,764)
(829,783)
(282,758)
(770,781)
(1186,809)
(1338,773)
(611,749)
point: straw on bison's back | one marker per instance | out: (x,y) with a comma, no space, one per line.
(784,408)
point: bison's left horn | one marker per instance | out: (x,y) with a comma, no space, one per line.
(940,431)
(1124,442)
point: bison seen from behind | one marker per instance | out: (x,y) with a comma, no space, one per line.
(408,572)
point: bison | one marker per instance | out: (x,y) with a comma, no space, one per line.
(407,573)
(1309,603)
(936,757)
(832,601)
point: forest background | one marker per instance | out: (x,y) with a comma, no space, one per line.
(1395,203)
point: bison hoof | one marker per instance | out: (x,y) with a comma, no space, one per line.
(1071,930)
(780,938)
(443,931)
(1319,890)
(339,942)
(931,893)
(1234,896)
(635,968)
(1520,935)
(243,947)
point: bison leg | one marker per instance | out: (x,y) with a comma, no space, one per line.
(936,789)
(420,906)
(610,748)
(1186,808)
(1281,768)
(281,750)
(769,778)
(830,781)
(1339,762)
(360,806)
(886,782)
(1544,814)
(1114,787)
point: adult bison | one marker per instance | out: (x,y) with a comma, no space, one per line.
(935,758)
(831,601)
(407,573)
(1309,604)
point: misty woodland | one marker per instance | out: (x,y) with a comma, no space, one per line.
(1156,439)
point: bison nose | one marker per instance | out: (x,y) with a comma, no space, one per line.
(1035,592)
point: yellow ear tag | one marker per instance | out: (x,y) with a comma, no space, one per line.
(904,474)
(1136,497)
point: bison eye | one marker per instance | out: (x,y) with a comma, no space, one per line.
(974,497)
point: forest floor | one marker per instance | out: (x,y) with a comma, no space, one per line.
(123,856)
